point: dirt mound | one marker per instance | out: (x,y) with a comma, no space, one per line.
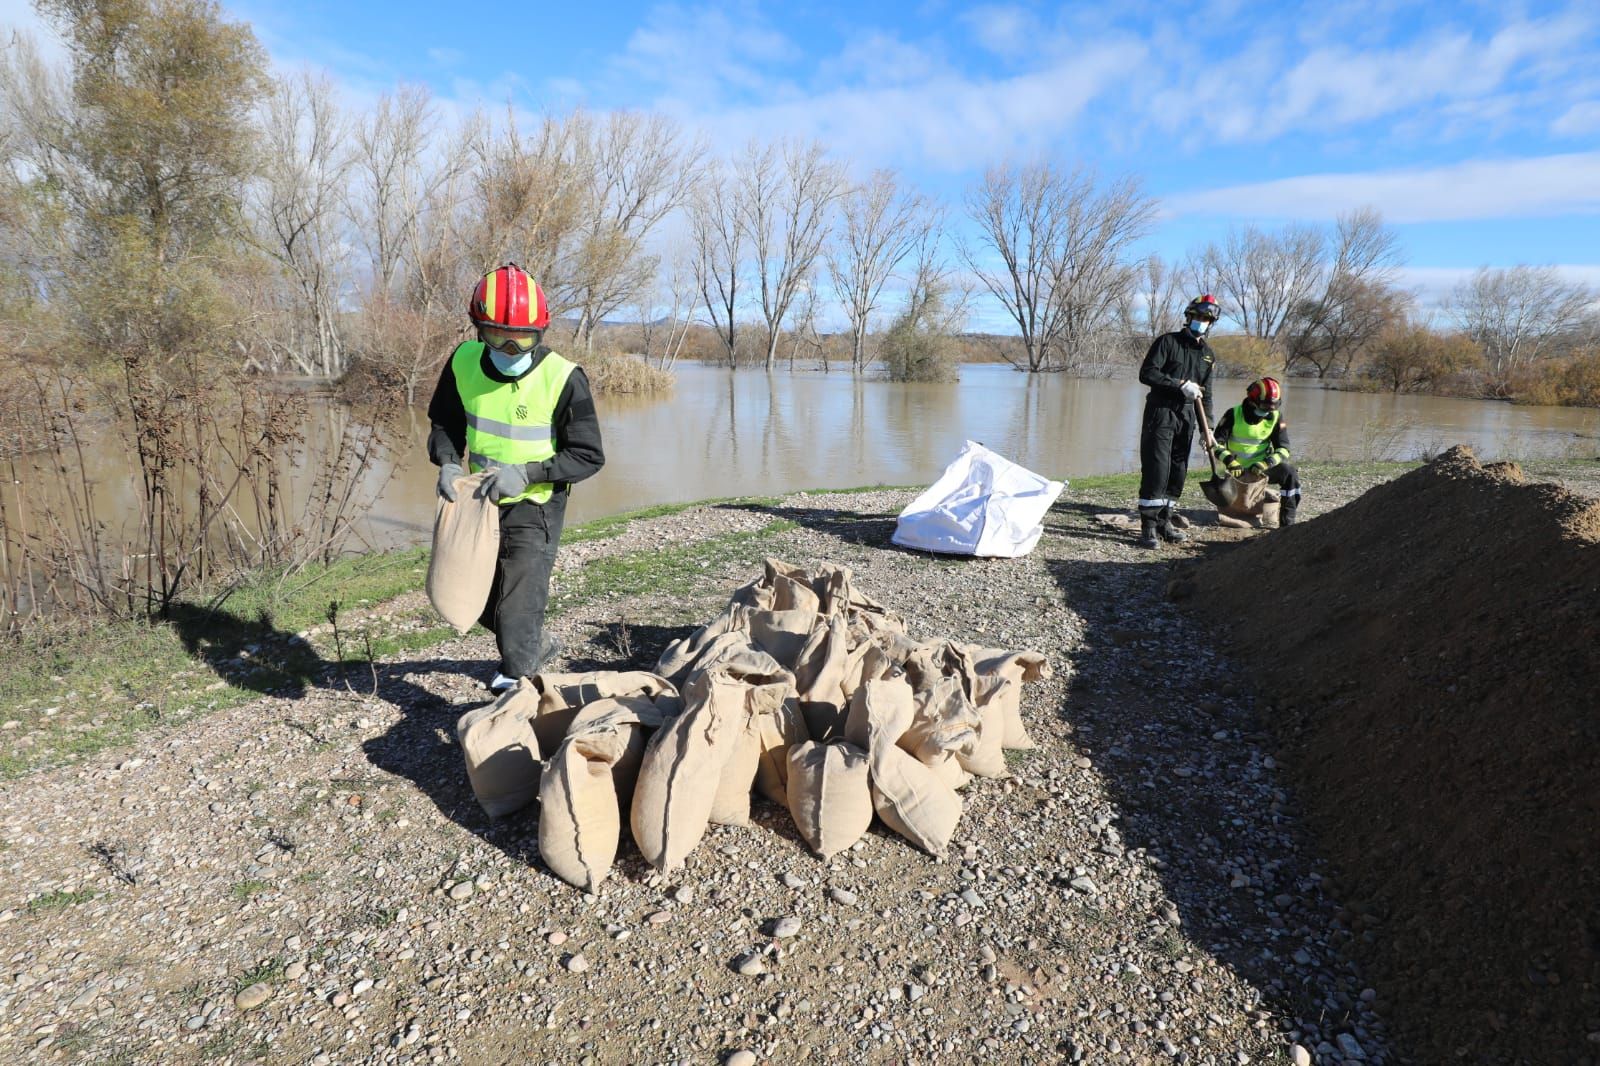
(1434,651)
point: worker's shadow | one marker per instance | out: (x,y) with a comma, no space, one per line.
(1179,747)
(422,747)
(852,527)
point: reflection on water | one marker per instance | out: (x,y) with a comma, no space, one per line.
(722,433)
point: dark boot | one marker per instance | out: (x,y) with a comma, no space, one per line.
(1147,535)
(1286,516)
(1169,532)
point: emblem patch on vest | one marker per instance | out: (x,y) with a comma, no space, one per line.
(522,413)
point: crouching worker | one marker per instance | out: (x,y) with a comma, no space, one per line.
(1253,438)
(516,409)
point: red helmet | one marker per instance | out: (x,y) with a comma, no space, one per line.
(1264,394)
(508,298)
(1205,307)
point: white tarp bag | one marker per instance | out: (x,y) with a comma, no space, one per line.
(983,504)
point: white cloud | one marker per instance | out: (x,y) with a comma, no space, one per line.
(1254,96)
(1579,120)
(1003,29)
(947,121)
(1433,284)
(1475,189)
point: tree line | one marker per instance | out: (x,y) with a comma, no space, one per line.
(164,199)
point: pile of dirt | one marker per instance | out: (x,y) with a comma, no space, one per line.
(1433,651)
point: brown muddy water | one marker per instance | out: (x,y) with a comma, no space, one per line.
(747,433)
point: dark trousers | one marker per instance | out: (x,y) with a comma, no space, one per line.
(1287,478)
(529,536)
(1164,442)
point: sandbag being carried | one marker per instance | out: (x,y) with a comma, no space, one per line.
(466,545)
(830,797)
(585,785)
(983,504)
(502,750)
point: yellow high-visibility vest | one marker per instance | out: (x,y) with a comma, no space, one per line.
(1250,443)
(512,422)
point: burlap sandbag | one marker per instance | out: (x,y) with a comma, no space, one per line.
(830,797)
(502,749)
(943,730)
(781,634)
(779,727)
(561,696)
(585,784)
(988,757)
(681,772)
(681,657)
(466,545)
(819,678)
(1019,667)
(911,798)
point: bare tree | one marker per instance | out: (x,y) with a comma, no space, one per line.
(302,191)
(1060,241)
(1518,316)
(392,178)
(880,224)
(527,193)
(640,170)
(719,254)
(1262,277)
(1152,304)
(1356,303)
(784,199)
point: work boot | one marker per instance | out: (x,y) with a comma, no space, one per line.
(1179,521)
(1147,535)
(1286,516)
(1169,532)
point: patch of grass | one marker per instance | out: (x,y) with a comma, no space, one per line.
(265,972)
(248,888)
(614,525)
(674,571)
(58,900)
(113,679)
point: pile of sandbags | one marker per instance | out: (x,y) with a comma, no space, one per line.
(804,690)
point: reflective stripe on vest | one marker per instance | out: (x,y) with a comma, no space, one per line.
(1249,443)
(511,422)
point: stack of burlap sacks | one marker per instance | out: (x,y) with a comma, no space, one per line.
(804,689)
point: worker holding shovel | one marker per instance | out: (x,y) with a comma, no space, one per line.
(524,414)
(1178,371)
(1253,439)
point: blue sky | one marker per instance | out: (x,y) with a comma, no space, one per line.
(1474,128)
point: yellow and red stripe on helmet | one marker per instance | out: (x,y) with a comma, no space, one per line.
(508,298)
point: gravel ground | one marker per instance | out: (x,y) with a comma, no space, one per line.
(310,879)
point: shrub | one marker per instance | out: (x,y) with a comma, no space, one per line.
(918,346)
(1410,357)
(1239,356)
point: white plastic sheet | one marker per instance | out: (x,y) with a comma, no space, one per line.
(983,504)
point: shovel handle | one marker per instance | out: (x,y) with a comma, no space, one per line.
(1205,430)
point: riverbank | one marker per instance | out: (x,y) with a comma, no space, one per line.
(312,831)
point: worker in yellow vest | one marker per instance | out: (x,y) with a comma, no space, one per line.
(1253,438)
(507,404)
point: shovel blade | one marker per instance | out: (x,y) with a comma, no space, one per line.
(1221,491)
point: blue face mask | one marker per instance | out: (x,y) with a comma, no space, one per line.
(512,366)
(1198,326)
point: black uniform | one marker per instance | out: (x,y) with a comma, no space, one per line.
(1167,433)
(1284,475)
(530,532)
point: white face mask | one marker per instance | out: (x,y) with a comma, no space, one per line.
(511,366)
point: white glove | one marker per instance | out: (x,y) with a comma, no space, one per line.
(1191,391)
